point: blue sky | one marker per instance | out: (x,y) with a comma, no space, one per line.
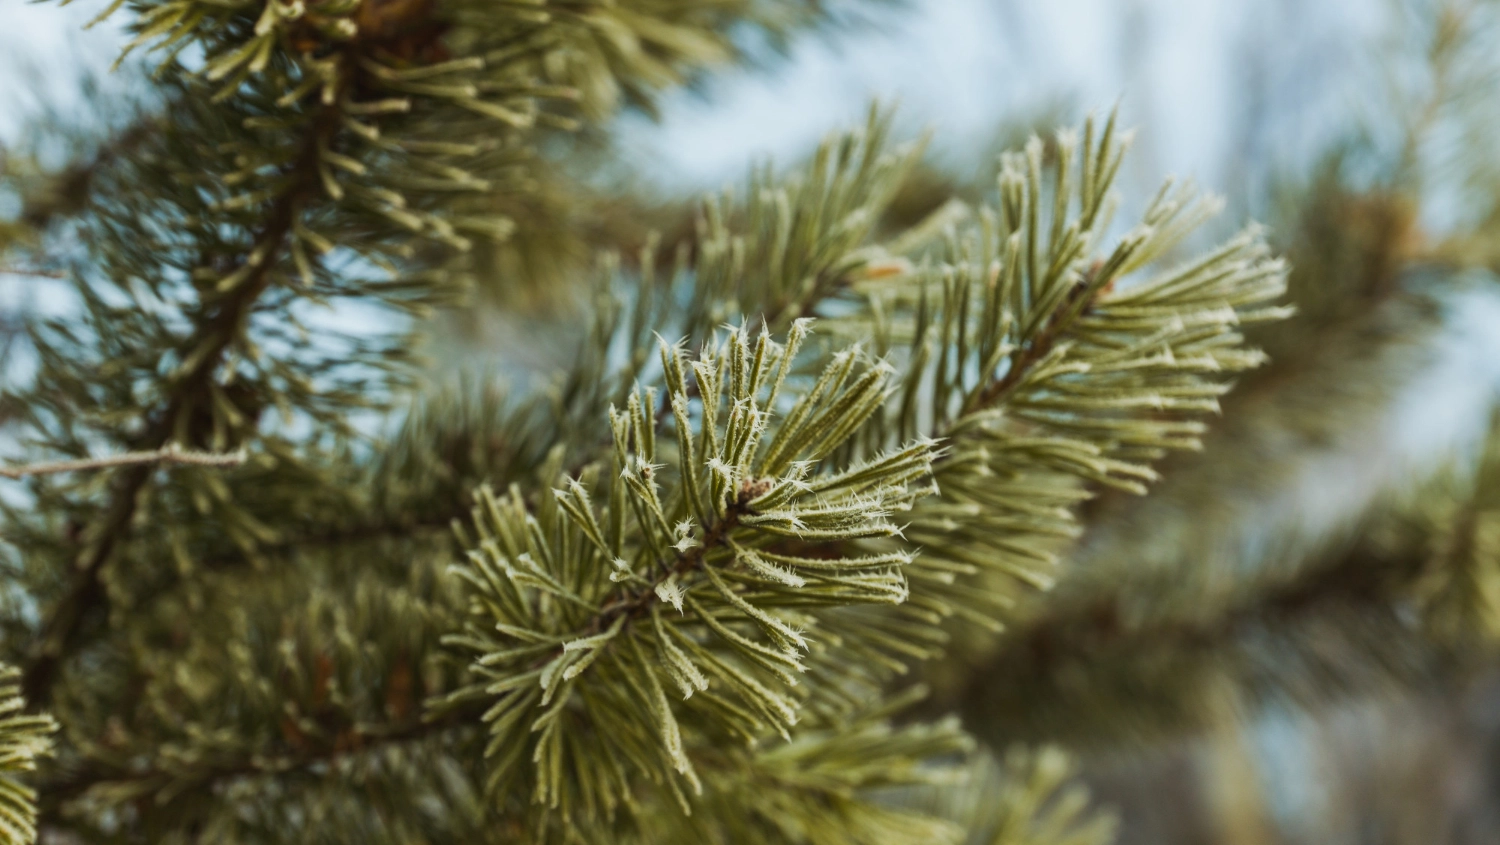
(960,66)
(956,66)
(47,41)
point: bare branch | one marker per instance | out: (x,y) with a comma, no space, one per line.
(169,454)
(28,271)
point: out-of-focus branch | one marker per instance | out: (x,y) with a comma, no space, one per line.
(28,271)
(1091,672)
(66,192)
(169,454)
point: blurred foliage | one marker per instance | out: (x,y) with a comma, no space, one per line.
(1257,594)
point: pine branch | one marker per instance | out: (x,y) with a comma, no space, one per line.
(706,548)
(211,340)
(1350,345)
(1406,598)
(348,70)
(1022,367)
(1049,371)
(852,183)
(852,177)
(1078,358)
(831,784)
(758,550)
(531,438)
(1363,309)
(628,608)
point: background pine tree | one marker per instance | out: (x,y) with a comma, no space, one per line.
(809,511)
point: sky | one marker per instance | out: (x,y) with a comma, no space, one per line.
(957,67)
(42,44)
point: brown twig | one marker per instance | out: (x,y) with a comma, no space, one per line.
(1073,307)
(169,454)
(635,604)
(28,271)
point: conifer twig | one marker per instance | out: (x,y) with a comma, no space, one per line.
(28,271)
(169,454)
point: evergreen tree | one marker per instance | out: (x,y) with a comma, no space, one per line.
(287,565)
